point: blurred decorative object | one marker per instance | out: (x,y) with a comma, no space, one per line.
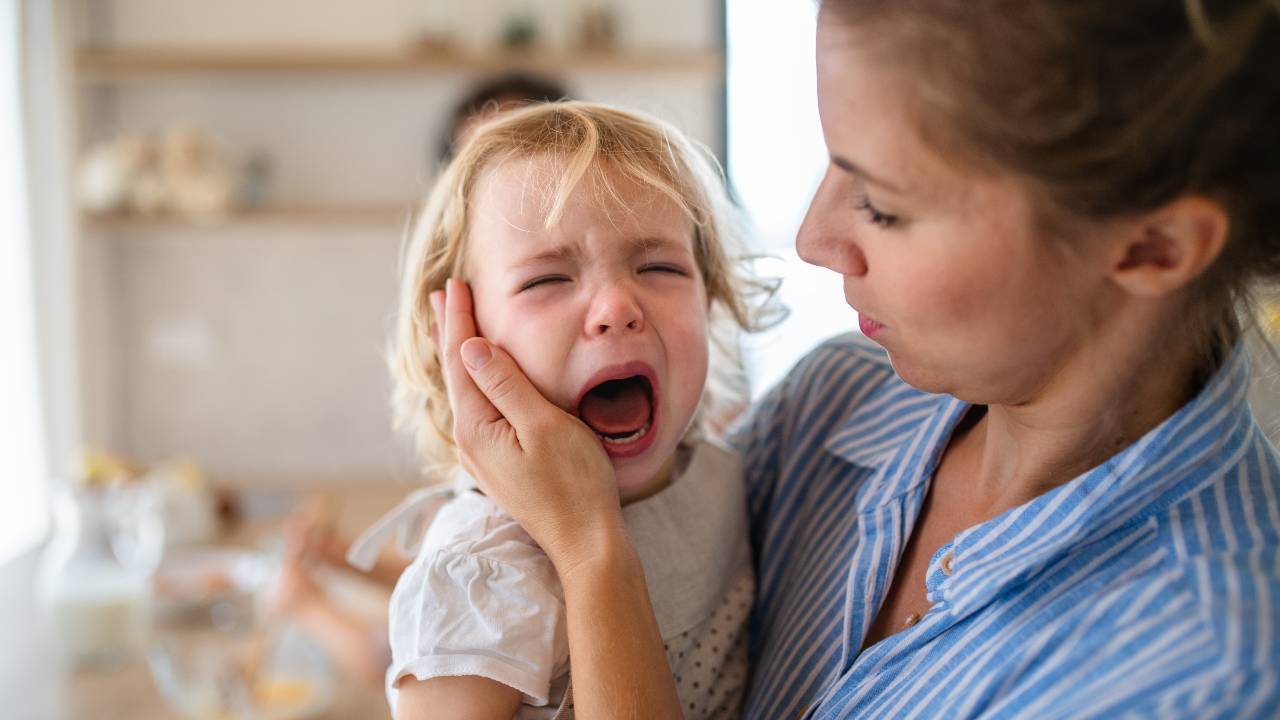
(97,569)
(149,195)
(598,28)
(185,174)
(197,175)
(255,191)
(99,468)
(185,501)
(442,26)
(189,505)
(434,45)
(109,172)
(209,615)
(520,31)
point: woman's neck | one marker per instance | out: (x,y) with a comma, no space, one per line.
(1100,402)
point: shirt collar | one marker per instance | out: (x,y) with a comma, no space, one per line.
(899,431)
(1184,453)
(691,538)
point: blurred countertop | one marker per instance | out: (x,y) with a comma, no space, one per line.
(33,685)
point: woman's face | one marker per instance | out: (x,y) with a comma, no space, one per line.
(944,265)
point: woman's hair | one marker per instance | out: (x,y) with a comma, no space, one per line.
(515,87)
(586,142)
(1109,109)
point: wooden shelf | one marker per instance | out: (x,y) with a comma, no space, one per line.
(384,215)
(139,63)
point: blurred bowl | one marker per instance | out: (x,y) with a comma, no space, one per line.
(191,580)
(205,626)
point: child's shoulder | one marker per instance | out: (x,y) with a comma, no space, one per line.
(451,526)
(473,525)
(472,546)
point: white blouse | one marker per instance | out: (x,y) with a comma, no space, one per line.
(481,598)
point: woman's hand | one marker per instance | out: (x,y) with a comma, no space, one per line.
(541,464)
(546,468)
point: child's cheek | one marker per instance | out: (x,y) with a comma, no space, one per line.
(536,339)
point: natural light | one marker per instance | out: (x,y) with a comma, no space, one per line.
(22,457)
(776,158)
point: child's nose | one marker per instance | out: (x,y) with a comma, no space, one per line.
(614,310)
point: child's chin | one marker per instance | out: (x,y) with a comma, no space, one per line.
(637,481)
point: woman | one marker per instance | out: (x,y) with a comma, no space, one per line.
(1040,491)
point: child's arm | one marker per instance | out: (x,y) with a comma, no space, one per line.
(465,697)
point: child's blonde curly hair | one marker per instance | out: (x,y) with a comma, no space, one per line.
(582,138)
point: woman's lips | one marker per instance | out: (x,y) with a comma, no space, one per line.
(869,326)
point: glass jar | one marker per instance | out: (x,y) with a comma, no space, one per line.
(97,571)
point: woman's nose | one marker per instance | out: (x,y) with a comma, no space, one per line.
(614,310)
(826,236)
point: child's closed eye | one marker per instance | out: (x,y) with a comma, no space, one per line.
(664,268)
(543,280)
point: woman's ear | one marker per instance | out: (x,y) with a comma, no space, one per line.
(1165,250)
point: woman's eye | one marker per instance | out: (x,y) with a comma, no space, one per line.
(664,268)
(544,280)
(880,219)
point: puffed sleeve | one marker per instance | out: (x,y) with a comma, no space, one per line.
(480,599)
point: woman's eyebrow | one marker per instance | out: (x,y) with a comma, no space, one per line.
(852,169)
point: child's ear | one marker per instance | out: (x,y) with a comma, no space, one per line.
(1165,250)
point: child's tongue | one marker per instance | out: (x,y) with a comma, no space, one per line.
(617,407)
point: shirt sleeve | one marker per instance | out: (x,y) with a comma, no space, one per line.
(489,608)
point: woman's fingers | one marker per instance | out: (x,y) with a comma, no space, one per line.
(471,409)
(507,388)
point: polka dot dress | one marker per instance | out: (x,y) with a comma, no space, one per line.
(692,542)
(709,662)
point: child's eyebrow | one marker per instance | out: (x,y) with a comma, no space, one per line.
(558,253)
(651,243)
(546,255)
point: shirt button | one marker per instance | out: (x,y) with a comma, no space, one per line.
(945,564)
(911,620)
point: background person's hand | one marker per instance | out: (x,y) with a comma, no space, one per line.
(309,534)
(541,464)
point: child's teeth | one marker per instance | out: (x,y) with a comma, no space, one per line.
(628,438)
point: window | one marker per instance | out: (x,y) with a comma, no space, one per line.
(776,157)
(23,469)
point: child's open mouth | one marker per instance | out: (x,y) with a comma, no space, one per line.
(621,412)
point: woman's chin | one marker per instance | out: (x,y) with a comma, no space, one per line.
(918,377)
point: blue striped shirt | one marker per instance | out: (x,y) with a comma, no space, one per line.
(1146,587)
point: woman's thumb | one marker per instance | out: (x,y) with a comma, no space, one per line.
(502,381)
(476,353)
